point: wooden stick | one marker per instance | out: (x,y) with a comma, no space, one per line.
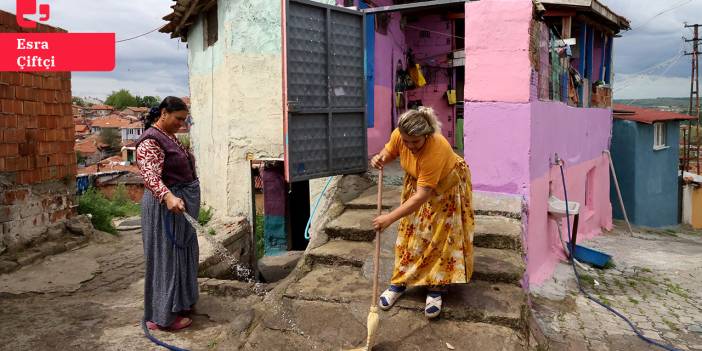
(376,255)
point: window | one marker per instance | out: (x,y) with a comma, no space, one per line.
(210,28)
(659,136)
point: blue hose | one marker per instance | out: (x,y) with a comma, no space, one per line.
(319,198)
(580,287)
(157,341)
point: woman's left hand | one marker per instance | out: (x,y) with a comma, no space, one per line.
(381,222)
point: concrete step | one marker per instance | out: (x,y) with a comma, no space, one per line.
(496,204)
(484,203)
(353,225)
(493,265)
(333,326)
(369,198)
(490,231)
(478,301)
(497,232)
(340,253)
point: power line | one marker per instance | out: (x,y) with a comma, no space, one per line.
(675,6)
(140,35)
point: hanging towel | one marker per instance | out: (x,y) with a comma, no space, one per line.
(415,73)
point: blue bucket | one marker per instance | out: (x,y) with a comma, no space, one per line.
(590,256)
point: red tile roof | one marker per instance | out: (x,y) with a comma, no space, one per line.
(86,147)
(138,109)
(101,107)
(134,125)
(111,121)
(81,128)
(109,164)
(646,115)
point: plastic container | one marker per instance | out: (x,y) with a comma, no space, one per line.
(591,256)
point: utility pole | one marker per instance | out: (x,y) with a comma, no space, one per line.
(694,109)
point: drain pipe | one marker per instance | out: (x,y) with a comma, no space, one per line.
(619,192)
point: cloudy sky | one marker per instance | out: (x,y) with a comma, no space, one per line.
(151,65)
(648,59)
(654,46)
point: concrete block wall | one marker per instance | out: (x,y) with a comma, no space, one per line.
(37,161)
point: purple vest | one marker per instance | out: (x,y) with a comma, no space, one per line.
(179,165)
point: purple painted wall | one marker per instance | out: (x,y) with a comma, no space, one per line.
(391,47)
(431,53)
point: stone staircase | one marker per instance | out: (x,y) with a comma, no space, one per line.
(330,296)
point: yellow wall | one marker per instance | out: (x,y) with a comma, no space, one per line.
(697,208)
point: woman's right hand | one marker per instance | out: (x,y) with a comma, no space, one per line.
(377,161)
(174,203)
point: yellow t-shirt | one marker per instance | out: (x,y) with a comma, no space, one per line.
(433,162)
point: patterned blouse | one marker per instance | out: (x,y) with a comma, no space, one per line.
(150,158)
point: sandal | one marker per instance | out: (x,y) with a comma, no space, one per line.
(178,324)
(433,305)
(390,296)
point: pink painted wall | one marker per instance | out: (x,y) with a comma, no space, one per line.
(496,134)
(497,50)
(579,136)
(510,135)
(543,245)
(497,146)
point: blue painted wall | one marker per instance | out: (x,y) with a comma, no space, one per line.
(648,178)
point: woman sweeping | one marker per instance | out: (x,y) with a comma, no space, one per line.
(170,243)
(434,245)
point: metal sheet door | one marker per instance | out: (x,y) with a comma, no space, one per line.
(325,91)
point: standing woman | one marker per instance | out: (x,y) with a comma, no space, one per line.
(434,245)
(170,243)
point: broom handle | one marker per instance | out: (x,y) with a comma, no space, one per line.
(376,255)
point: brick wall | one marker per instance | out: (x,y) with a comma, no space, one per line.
(37,162)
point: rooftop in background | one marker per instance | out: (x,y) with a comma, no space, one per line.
(89,145)
(101,107)
(646,115)
(137,109)
(135,125)
(111,121)
(110,164)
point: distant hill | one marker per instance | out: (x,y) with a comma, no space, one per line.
(680,105)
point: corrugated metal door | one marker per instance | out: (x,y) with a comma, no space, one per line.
(326,122)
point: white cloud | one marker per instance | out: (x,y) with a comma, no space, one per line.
(650,86)
(150,65)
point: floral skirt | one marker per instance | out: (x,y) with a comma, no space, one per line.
(435,243)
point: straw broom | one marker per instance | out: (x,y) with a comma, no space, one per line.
(373,317)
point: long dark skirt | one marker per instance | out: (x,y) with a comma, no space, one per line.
(171,255)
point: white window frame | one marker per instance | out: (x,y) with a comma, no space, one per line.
(659,136)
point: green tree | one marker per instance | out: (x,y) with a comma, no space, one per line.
(150,101)
(78,101)
(121,99)
(112,138)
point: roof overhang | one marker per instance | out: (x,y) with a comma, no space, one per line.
(184,15)
(594,7)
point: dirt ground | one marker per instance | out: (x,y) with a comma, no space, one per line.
(91,299)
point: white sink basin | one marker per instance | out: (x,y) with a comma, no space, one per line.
(557,207)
